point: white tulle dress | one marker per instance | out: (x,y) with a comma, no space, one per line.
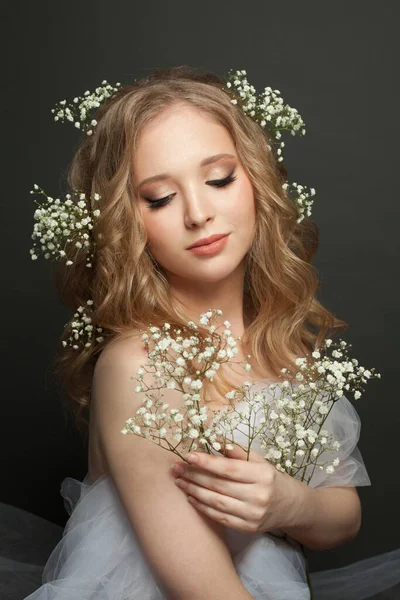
(98,556)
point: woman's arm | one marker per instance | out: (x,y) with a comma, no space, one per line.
(186,550)
(322,518)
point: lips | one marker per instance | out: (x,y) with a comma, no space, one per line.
(209,240)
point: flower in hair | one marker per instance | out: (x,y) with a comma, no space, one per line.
(301,198)
(82,329)
(266,108)
(61,223)
(80,110)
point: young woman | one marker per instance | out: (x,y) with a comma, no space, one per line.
(175,162)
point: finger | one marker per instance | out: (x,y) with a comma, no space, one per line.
(221,502)
(230,468)
(226,519)
(241,490)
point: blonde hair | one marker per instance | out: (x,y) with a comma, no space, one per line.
(284,319)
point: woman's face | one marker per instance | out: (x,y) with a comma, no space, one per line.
(196,201)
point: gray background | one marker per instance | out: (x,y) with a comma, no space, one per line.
(337,63)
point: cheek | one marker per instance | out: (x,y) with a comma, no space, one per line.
(159,230)
(243,209)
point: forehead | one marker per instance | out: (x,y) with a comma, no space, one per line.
(182,131)
(177,114)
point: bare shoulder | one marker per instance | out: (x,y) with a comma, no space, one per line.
(113,387)
(124,349)
(163,520)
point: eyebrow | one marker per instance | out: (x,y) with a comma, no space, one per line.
(204,162)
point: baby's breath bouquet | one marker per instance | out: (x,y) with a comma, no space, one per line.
(287,416)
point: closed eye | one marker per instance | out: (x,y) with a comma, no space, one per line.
(222,182)
(215,183)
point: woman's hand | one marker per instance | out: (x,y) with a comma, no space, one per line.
(250,496)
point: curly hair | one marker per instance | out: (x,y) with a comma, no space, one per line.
(283,318)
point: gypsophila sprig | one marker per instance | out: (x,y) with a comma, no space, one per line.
(59,223)
(266,108)
(301,197)
(194,358)
(293,413)
(288,416)
(80,110)
(83,331)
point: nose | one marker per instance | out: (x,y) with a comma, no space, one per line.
(198,209)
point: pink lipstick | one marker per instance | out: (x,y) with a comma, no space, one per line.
(210,248)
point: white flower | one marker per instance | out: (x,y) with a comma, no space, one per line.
(210,373)
(164,343)
(196,419)
(196,384)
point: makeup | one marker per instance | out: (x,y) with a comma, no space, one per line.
(210,248)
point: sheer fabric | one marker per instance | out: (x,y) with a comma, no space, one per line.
(97,556)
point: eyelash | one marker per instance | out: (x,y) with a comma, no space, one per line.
(216,183)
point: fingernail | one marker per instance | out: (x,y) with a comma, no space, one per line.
(192,458)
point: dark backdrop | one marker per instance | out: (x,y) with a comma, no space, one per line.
(337,63)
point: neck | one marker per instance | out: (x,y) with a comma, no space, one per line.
(196,297)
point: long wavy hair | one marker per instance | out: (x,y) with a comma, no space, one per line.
(283,319)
